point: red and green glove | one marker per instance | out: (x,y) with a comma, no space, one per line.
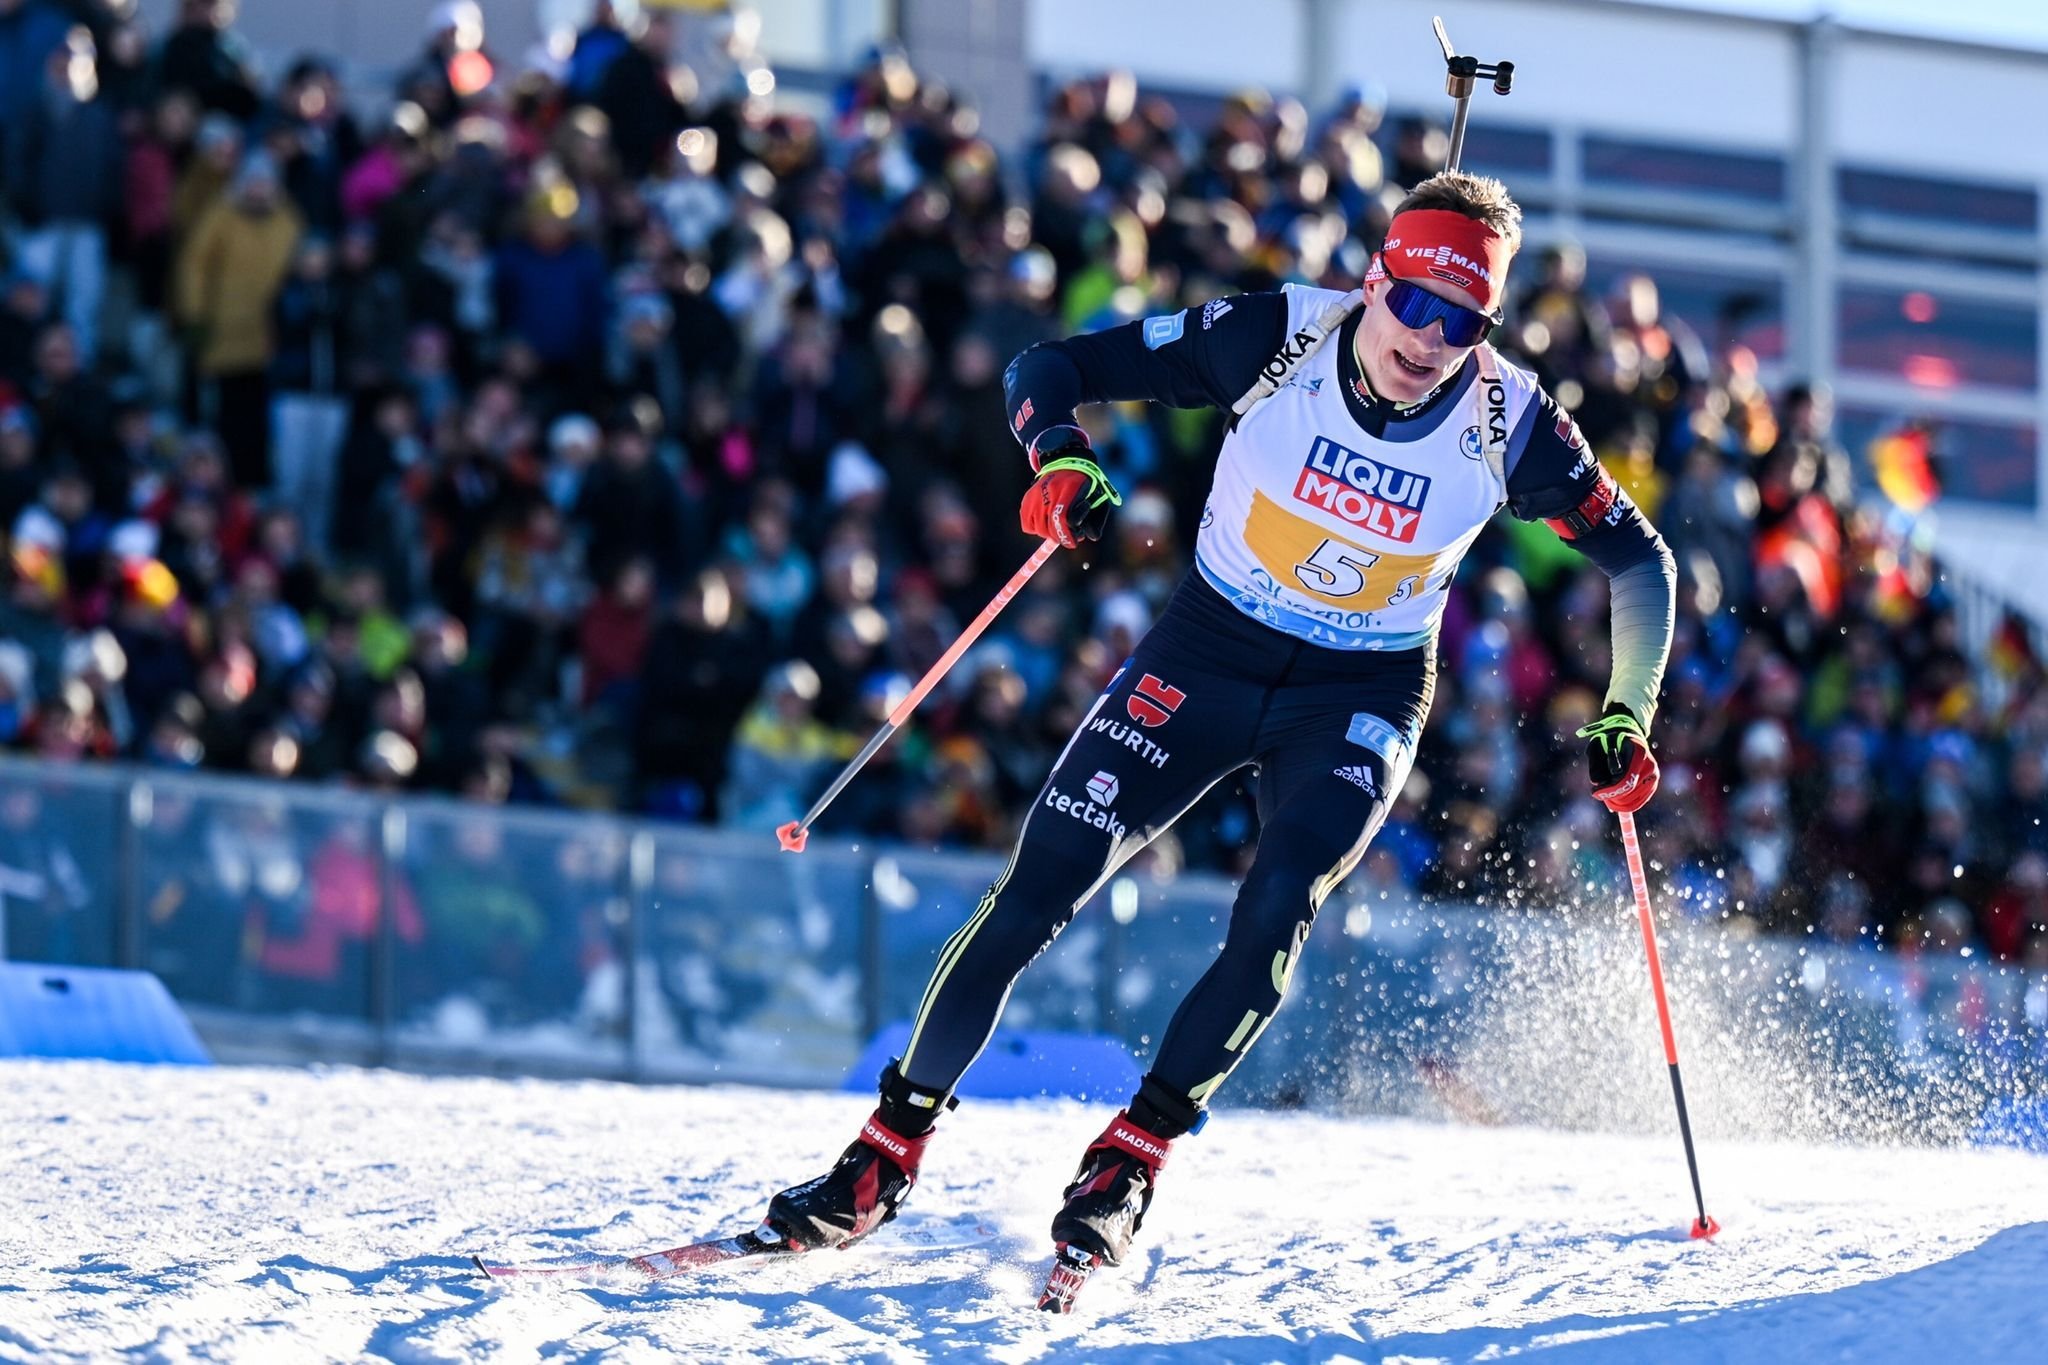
(1071,498)
(1618,756)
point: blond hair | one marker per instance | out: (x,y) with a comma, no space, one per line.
(1476,196)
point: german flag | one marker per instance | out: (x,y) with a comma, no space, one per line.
(2009,651)
(1903,464)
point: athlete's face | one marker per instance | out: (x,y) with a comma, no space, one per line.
(1401,364)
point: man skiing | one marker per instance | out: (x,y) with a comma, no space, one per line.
(1373,435)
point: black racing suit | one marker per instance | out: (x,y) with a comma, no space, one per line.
(1210,690)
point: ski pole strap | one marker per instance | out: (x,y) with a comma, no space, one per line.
(1490,391)
(1100,489)
(1296,352)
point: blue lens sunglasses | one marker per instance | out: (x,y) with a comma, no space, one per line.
(1416,307)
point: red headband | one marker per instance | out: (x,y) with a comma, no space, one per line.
(1439,244)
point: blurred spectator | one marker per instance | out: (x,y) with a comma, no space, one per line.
(63,176)
(552,293)
(452,66)
(638,95)
(203,55)
(74,417)
(704,664)
(229,275)
(315,141)
(780,752)
(599,43)
(30,31)
(612,636)
(308,414)
(631,505)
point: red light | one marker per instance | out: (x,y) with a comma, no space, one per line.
(469,72)
(1931,371)
(1919,306)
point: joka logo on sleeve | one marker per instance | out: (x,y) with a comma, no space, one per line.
(1362,490)
(1153,703)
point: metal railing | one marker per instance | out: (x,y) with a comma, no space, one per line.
(297,922)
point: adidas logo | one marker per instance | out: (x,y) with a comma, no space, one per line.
(1359,776)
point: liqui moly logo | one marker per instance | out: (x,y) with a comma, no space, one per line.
(1361,490)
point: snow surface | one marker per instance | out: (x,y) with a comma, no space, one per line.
(236,1214)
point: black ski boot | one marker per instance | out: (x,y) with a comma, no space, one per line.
(1106,1203)
(872,1177)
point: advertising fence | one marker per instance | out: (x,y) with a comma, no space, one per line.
(430,933)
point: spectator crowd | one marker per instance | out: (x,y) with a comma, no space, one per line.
(594,427)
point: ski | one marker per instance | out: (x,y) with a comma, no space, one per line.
(655,1265)
(1071,1267)
(905,1233)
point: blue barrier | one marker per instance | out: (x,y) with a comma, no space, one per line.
(1020,1066)
(92,1012)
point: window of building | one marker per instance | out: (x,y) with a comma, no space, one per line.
(1508,152)
(1933,199)
(1937,341)
(1628,164)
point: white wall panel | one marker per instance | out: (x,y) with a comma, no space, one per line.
(1943,109)
(1216,45)
(1713,82)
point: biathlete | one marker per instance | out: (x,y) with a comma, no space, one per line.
(1372,435)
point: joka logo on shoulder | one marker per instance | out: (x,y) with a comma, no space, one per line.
(1153,703)
(1362,490)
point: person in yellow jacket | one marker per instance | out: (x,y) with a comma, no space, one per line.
(228,276)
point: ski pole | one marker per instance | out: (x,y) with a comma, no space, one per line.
(1704,1226)
(793,835)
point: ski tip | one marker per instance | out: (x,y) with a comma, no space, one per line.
(481,1268)
(1704,1229)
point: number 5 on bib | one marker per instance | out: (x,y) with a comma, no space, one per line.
(1336,569)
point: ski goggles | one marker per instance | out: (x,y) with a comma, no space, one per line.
(1416,307)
